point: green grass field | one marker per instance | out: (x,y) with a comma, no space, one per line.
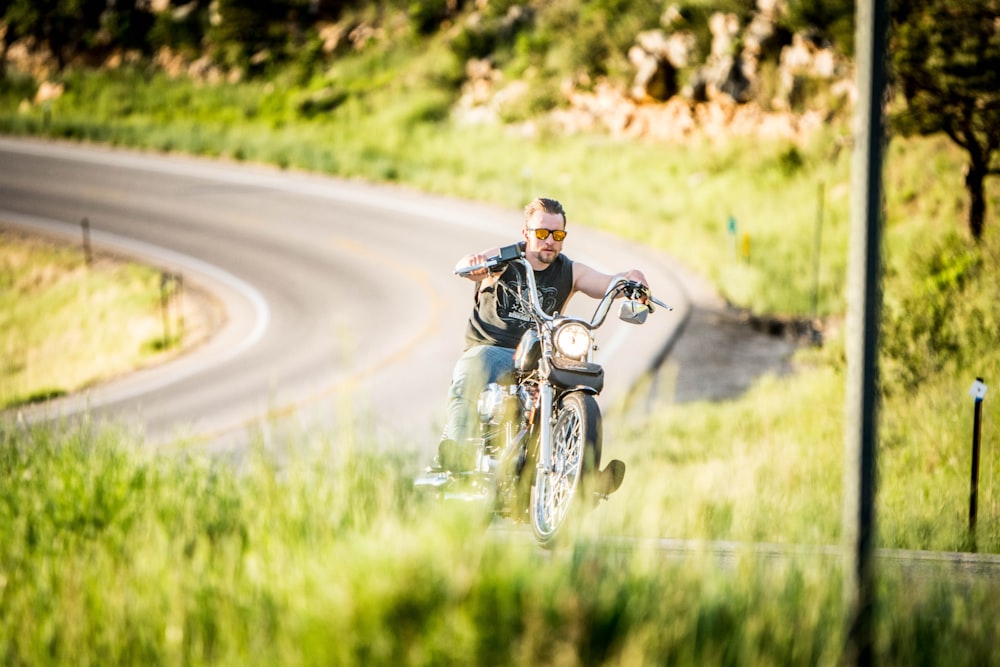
(116,555)
(65,325)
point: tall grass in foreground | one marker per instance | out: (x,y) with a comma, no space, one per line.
(116,555)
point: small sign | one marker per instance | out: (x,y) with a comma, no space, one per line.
(978,390)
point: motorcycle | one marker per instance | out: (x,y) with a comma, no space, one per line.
(537,454)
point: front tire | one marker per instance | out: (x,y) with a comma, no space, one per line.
(576,455)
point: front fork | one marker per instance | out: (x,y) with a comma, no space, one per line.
(545,395)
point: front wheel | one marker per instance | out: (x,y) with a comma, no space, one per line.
(576,455)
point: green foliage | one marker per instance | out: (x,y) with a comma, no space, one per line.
(791,161)
(113,555)
(64,326)
(183,32)
(426,16)
(312,104)
(830,21)
(16,87)
(249,32)
(127,26)
(945,314)
(946,60)
(494,32)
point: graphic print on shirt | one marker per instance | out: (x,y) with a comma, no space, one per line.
(509,307)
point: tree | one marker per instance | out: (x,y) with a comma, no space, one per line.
(946,63)
(67,27)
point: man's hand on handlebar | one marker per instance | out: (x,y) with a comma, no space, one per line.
(637,287)
(635,290)
(478,259)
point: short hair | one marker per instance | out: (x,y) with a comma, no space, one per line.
(544,204)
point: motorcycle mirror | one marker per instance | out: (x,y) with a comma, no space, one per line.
(633,312)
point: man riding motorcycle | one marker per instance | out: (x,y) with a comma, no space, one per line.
(498,321)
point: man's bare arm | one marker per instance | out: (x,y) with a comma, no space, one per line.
(595,284)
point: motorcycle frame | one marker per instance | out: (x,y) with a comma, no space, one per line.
(545,389)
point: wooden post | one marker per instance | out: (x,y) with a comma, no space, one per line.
(88,256)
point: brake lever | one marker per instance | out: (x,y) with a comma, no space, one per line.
(636,290)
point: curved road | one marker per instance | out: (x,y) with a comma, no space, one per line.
(341,309)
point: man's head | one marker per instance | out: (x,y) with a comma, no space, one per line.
(542,217)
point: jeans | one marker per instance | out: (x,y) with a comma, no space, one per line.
(475,369)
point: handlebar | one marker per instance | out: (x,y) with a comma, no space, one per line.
(619,286)
(507,254)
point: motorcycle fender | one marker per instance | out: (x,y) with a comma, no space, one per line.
(578,376)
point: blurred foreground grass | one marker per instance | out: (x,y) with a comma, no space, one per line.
(116,555)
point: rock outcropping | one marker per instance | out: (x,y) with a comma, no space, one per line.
(729,93)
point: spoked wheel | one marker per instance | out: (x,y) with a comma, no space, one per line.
(576,455)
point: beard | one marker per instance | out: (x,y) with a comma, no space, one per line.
(547,256)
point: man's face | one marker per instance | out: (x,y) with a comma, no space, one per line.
(547,249)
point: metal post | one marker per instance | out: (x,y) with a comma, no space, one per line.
(87,255)
(864,305)
(977,392)
(179,278)
(164,278)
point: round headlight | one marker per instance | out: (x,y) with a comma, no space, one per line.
(573,340)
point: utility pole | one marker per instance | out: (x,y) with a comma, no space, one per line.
(864,301)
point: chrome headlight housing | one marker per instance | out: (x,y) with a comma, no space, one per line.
(573,340)
(490,402)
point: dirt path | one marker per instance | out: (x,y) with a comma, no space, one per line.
(721,351)
(721,355)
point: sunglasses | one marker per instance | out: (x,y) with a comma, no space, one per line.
(541,233)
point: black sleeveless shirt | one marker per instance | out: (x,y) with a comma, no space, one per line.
(500,319)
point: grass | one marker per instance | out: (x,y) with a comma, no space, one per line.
(116,555)
(292,565)
(65,325)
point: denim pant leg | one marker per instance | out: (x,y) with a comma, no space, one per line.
(476,368)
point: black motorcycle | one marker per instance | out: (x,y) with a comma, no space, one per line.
(538,452)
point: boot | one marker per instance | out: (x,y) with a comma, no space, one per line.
(610,479)
(456,457)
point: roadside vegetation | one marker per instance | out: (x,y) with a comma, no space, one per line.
(66,323)
(117,555)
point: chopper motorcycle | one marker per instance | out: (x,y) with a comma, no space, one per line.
(537,454)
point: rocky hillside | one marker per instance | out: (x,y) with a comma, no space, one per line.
(685,68)
(756,79)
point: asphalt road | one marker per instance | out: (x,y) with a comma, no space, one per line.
(340,304)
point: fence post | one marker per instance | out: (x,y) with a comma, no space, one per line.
(179,306)
(87,255)
(978,392)
(164,279)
